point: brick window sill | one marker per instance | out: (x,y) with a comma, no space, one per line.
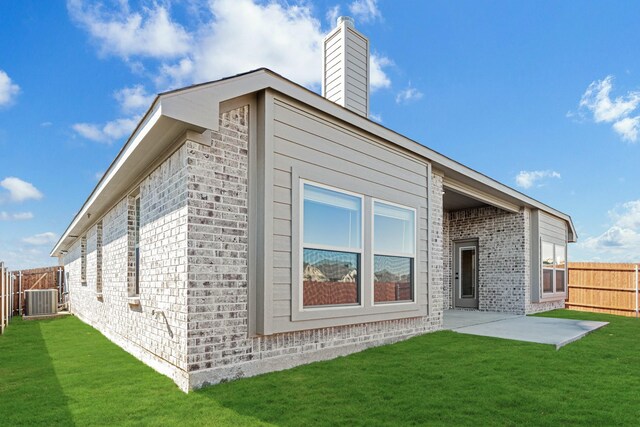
(99,296)
(134,301)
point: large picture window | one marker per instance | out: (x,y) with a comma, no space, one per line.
(554,268)
(393,252)
(332,246)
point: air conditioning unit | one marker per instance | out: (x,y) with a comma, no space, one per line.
(41,302)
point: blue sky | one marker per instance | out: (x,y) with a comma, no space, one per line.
(543,96)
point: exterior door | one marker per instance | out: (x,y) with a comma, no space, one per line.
(465,274)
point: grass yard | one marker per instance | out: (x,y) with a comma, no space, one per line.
(63,372)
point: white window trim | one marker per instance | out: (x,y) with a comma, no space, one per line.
(545,296)
(414,256)
(303,246)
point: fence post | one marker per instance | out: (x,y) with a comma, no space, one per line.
(1,298)
(637,291)
(20,292)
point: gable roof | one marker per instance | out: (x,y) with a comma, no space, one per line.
(197,107)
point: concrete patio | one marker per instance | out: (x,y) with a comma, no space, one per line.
(542,330)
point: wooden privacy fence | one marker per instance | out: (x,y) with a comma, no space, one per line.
(36,278)
(14,284)
(603,288)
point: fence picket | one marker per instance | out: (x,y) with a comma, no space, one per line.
(603,287)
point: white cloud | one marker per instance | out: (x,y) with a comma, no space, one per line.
(527,179)
(18,216)
(46,124)
(41,239)
(408,95)
(8,89)
(379,79)
(98,175)
(597,100)
(365,10)
(133,99)
(332,15)
(123,33)
(284,37)
(375,117)
(621,242)
(107,133)
(627,128)
(20,190)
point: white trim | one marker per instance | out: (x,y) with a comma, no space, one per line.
(555,294)
(139,134)
(413,257)
(303,246)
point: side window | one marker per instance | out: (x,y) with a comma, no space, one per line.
(554,268)
(137,245)
(133,231)
(394,252)
(83,260)
(99,258)
(332,246)
(560,268)
(547,267)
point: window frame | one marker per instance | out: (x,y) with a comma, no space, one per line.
(298,318)
(303,246)
(137,208)
(555,293)
(413,258)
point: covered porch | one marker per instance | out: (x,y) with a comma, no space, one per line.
(485,245)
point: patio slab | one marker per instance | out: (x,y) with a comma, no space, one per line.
(542,330)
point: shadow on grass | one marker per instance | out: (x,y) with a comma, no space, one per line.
(30,393)
(441,378)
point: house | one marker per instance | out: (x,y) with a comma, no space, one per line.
(249,225)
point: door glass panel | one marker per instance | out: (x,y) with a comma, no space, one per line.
(467,272)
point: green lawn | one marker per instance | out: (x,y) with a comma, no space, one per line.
(63,372)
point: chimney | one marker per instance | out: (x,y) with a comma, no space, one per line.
(345,67)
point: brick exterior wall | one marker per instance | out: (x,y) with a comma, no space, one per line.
(155,330)
(192,323)
(219,344)
(503,256)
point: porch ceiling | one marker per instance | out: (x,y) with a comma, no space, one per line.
(453,201)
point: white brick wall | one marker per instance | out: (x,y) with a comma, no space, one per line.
(154,331)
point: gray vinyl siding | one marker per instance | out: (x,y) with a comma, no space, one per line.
(550,229)
(308,144)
